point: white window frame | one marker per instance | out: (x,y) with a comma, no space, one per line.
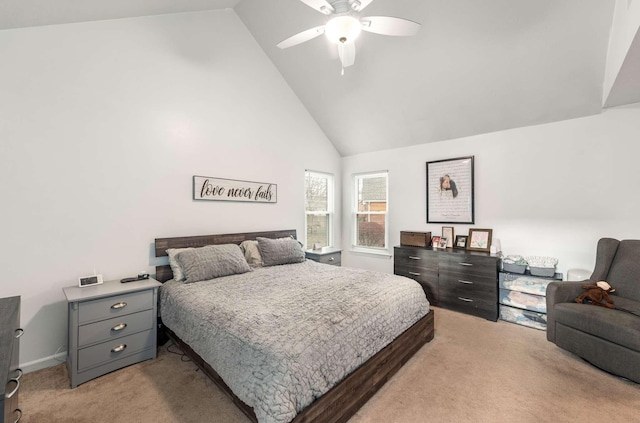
(330,203)
(356,177)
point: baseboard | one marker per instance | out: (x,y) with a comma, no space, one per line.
(43,363)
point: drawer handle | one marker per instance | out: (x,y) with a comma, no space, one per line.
(119,327)
(468,300)
(119,348)
(17,410)
(465,264)
(19,371)
(19,332)
(332,258)
(465,282)
(414,258)
(414,273)
(12,393)
(121,304)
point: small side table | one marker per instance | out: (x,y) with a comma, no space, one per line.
(111,326)
(326,255)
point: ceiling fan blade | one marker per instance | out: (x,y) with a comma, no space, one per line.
(301,37)
(347,53)
(359,5)
(321,6)
(386,25)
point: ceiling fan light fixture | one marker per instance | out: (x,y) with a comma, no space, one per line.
(356,5)
(343,29)
(325,10)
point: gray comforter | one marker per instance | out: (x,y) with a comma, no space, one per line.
(282,336)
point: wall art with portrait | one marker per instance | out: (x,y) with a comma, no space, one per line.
(450,193)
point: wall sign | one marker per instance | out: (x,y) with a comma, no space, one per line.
(218,189)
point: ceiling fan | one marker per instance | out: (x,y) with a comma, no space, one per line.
(346,24)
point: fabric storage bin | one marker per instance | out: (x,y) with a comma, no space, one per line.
(514,268)
(546,272)
(528,318)
(522,300)
(526,283)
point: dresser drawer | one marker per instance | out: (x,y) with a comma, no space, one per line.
(473,306)
(114,328)
(117,305)
(333,258)
(471,265)
(427,278)
(473,287)
(415,257)
(115,349)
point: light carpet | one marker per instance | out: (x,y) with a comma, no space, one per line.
(473,371)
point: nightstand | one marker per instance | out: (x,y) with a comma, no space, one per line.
(111,326)
(326,255)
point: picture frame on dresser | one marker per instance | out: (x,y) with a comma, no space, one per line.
(461,242)
(479,239)
(435,241)
(447,232)
(450,190)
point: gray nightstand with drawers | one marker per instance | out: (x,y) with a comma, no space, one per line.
(111,326)
(326,255)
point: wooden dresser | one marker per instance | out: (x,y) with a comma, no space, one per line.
(10,333)
(461,280)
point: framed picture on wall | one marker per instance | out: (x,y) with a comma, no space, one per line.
(450,192)
(479,239)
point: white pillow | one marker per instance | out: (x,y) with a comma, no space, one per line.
(251,253)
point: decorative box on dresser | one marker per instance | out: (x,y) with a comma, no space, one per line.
(10,334)
(461,280)
(326,255)
(111,326)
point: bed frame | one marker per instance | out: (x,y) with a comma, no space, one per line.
(343,400)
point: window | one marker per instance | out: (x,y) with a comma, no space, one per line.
(318,208)
(370,211)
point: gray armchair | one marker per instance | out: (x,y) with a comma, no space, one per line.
(607,338)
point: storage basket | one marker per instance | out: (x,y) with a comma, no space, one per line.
(542,266)
(514,264)
(514,268)
(546,272)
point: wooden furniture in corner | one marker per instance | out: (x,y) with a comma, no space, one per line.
(10,374)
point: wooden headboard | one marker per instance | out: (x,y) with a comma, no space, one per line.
(164,273)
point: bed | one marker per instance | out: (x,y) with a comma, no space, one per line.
(282,370)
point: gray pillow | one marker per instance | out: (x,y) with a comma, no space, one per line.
(178,274)
(212,261)
(280,251)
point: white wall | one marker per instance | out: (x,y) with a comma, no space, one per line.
(103,125)
(624,28)
(549,190)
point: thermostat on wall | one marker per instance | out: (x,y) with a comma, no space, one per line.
(89,280)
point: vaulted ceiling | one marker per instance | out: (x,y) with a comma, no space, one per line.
(473,67)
